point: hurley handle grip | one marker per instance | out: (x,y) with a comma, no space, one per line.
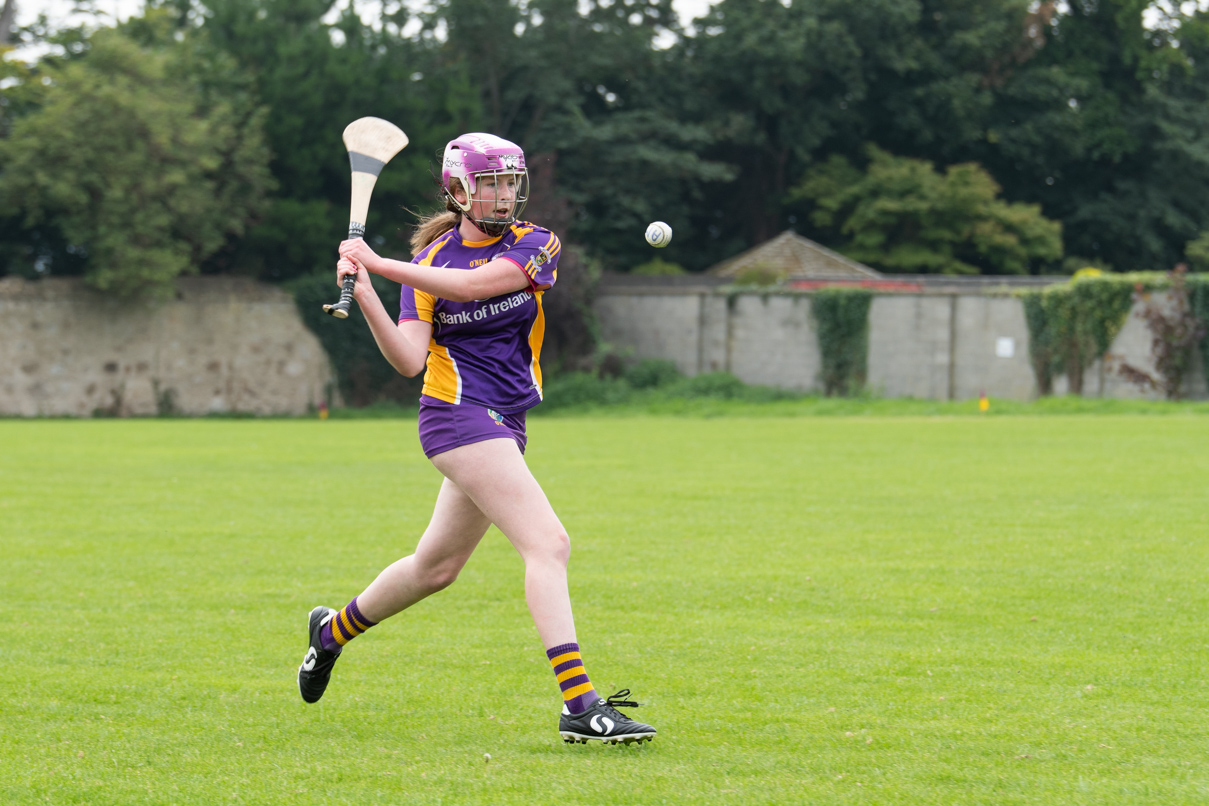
(341,308)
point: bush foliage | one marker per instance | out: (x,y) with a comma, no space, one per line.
(140,165)
(651,381)
(902,215)
(658,267)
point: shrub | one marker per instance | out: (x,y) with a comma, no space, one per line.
(651,382)
(571,389)
(658,267)
(711,384)
(652,373)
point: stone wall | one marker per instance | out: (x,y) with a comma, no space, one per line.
(222,344)
(938,346)
(227,345)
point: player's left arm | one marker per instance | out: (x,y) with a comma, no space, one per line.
(500,276)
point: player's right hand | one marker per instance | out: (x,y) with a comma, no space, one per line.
(359,251)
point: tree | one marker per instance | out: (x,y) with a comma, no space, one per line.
(938,99)
(775,83)
(7,15)
(901,215)
(141,171)
(582,88)
(1108,128)
(316,77)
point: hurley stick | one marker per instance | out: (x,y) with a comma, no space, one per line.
(371,142)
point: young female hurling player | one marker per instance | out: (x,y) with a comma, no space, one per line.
(471,313)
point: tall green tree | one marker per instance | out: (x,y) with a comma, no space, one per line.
(315,78)
(140,171)
(777,82)
(584,89)
(901,215)
(1107,126)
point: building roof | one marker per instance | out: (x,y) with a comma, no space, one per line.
(795,258)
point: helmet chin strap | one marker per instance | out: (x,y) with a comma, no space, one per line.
(494,226)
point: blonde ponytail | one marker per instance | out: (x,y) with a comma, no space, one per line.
(431,227)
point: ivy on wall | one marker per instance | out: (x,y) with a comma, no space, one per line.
(841,318)
(1072,325)
(1047,314)
(1198,298)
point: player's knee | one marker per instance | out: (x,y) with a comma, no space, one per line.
(441,576)
(552,549)
(560,547)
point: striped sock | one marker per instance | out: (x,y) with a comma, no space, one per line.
(572,677)
(344,627)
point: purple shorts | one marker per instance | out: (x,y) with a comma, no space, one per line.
(445,426)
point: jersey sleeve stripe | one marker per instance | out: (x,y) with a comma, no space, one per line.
(436,247)
(425,303)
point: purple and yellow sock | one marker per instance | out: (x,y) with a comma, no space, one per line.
(344,627)
(572,678)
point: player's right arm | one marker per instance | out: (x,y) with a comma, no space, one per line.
(404,345)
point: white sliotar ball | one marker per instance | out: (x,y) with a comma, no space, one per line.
(658,234)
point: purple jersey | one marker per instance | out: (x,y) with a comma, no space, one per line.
(486,352)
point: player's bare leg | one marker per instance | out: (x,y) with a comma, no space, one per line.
(456,528)
(453,533)
(494,474)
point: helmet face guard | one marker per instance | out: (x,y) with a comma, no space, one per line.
(491,172)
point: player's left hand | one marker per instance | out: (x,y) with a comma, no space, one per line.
(358,250)
(347,266)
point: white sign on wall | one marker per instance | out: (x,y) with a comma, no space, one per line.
(1005,347)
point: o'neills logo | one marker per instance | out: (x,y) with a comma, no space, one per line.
(483,311)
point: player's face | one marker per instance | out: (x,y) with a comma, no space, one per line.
(495,196)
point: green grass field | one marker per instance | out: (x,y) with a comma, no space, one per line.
(831,610)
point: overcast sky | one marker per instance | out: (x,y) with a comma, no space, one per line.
(59,11)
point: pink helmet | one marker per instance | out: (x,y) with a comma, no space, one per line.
(474,157)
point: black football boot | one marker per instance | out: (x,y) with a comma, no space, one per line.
(602,722)
(316,668)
